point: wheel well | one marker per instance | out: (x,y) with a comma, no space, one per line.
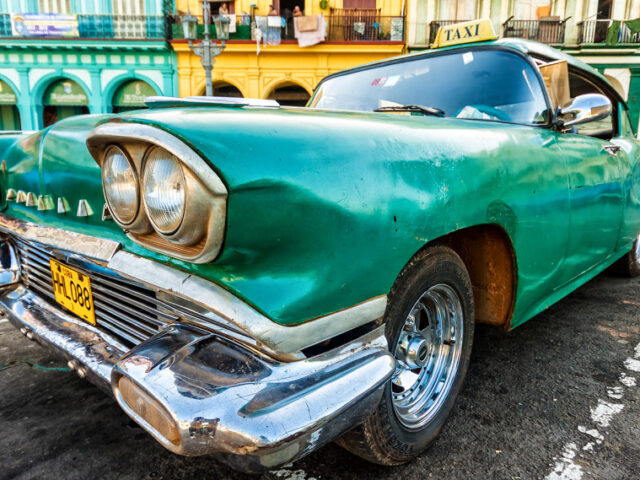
(488,254)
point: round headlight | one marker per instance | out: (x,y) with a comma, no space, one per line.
(164,190)
(120,185)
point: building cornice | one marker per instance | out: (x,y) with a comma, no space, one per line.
(84,44)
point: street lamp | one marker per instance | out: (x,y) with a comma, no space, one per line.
(207,49)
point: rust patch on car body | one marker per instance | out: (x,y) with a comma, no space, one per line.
(488,255)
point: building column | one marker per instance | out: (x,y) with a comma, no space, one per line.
(574,10)
(184,79)
(25,102)
(97,104)
(496,15)
(167,84)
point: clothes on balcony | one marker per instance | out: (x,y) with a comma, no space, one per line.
(310,30)
(232,22)
(633,26)
(268,29)
(613,32)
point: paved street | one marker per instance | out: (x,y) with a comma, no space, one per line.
(558,397)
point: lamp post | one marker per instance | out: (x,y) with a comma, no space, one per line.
(207,49)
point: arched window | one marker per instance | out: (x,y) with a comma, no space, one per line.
(9,114)
(131,95)
(226,90)
(64,98)
(290,94)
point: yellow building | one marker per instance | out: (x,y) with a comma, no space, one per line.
(358,31)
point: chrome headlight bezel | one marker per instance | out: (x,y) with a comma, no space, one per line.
(114,213)
(199,237)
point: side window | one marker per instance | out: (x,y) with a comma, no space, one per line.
(604,129)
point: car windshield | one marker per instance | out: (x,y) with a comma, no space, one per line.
(485,84)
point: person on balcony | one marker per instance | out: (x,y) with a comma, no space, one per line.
(223,10)
(297,12)
(272,11)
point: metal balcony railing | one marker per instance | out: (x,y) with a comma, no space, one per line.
(350,27)
(549,31)
(595,31)
(363,27)
(436,24)
(122,27)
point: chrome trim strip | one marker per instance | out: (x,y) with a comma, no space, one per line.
(284,342)
(95,248)
(200,101)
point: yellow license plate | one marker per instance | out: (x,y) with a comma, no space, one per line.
(73,290)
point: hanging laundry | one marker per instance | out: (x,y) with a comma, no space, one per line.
(259,31)
(310,30)
(232,22)
(274,30)
(613,32)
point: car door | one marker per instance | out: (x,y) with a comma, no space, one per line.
(629,156)
(596,196)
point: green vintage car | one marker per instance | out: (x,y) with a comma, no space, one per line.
(253,281)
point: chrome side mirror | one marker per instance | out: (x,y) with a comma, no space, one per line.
(583,109)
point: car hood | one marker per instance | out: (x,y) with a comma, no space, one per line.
(246,145)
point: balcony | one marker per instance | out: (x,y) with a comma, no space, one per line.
(118,27)
(342,27)
(550,31)
(597,31)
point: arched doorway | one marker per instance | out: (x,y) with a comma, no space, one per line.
(9,114)
(290,94)
(226,90)
(63,99)
(131,95)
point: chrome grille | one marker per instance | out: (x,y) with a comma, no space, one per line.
(126,310)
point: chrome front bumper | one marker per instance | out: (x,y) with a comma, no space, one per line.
(197,392)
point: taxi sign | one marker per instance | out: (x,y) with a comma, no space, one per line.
(466,32)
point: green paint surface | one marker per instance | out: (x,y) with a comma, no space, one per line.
(325,208)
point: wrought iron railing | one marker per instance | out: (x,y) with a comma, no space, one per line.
(545,31)
(436,24)
(372,28)
(123,27)
(340,28)
(596,31)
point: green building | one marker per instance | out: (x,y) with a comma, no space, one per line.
(602,33)
(90,56)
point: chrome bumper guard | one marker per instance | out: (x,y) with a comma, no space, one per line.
(198,393)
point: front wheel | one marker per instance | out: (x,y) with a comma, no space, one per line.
(429,327)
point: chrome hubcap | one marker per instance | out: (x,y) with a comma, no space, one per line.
(427,356)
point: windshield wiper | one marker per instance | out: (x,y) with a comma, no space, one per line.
(436,112)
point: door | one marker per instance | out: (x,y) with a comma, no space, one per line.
(629,156)
(595,201)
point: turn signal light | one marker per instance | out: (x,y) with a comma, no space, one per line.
(149,410)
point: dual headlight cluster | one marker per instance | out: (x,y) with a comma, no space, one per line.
(161,191)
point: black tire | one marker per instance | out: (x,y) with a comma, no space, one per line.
(629,265)
(382,438)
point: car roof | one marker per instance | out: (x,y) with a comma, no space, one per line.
(527,47)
